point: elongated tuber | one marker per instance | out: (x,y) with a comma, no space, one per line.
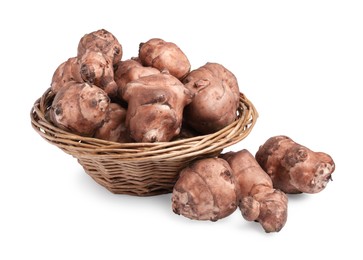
(294,168)
(216,98)
(155,107)
(163,55)
(79,108)
(205,190)
(101,41)
(259,201)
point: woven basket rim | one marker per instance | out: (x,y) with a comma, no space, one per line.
(77,145)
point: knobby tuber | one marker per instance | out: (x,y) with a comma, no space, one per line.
(97,69)
(259,201)
(65,72)
(294,168)
(79,108)
(113,127)
(93,67)
(205,190)
(155,107)
(216,98)
(163,55)
(101,41)
(129,70)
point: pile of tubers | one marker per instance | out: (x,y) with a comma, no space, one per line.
(156,97)
(148,98)
(213,188)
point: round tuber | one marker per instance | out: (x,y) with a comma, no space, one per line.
(101,41)
(113,127)
(205,190)
(163,55)
(216,98)
(66,71)
(155,107)
(96,68)
(79,108)
(294,168)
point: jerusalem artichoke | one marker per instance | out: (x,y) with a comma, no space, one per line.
(294,168)
(163,55)
(79,108)
(259,201)
(205,190)
(101,41)
(155,107)
(216,98)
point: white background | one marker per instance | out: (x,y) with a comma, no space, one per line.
(299,62)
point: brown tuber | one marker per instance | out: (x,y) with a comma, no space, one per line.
(163,55)
(113,127)
(65,72)
(259,201)
(294,168)
(205,190)
(97,69)
(101,41)
(155,107)
(79,108)
(216,98)
(93,67)
(129,70)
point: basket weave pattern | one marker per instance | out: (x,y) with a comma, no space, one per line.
(141,169)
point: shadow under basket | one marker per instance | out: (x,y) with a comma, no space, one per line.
(141,169)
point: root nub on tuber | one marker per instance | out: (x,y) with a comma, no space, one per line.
(294,168)
(155,107)
(164,55)
(259,201)
(216,98)
(205,190)
(79,108)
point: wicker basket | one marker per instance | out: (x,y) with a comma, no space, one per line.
(141,169)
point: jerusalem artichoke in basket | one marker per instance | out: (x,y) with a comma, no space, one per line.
(155,107)
(79,108)
(216,98)
(164,55)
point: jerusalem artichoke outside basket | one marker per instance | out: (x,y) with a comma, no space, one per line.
(141,169)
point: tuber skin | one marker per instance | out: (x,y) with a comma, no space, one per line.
(155,107)
(205,190)
(216,98)
(96,68)
(294,168)
(93,67)
(79,108)
(65,72)
(101,41)
(129,70)
(163,55)
(114,128)
(259,201)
